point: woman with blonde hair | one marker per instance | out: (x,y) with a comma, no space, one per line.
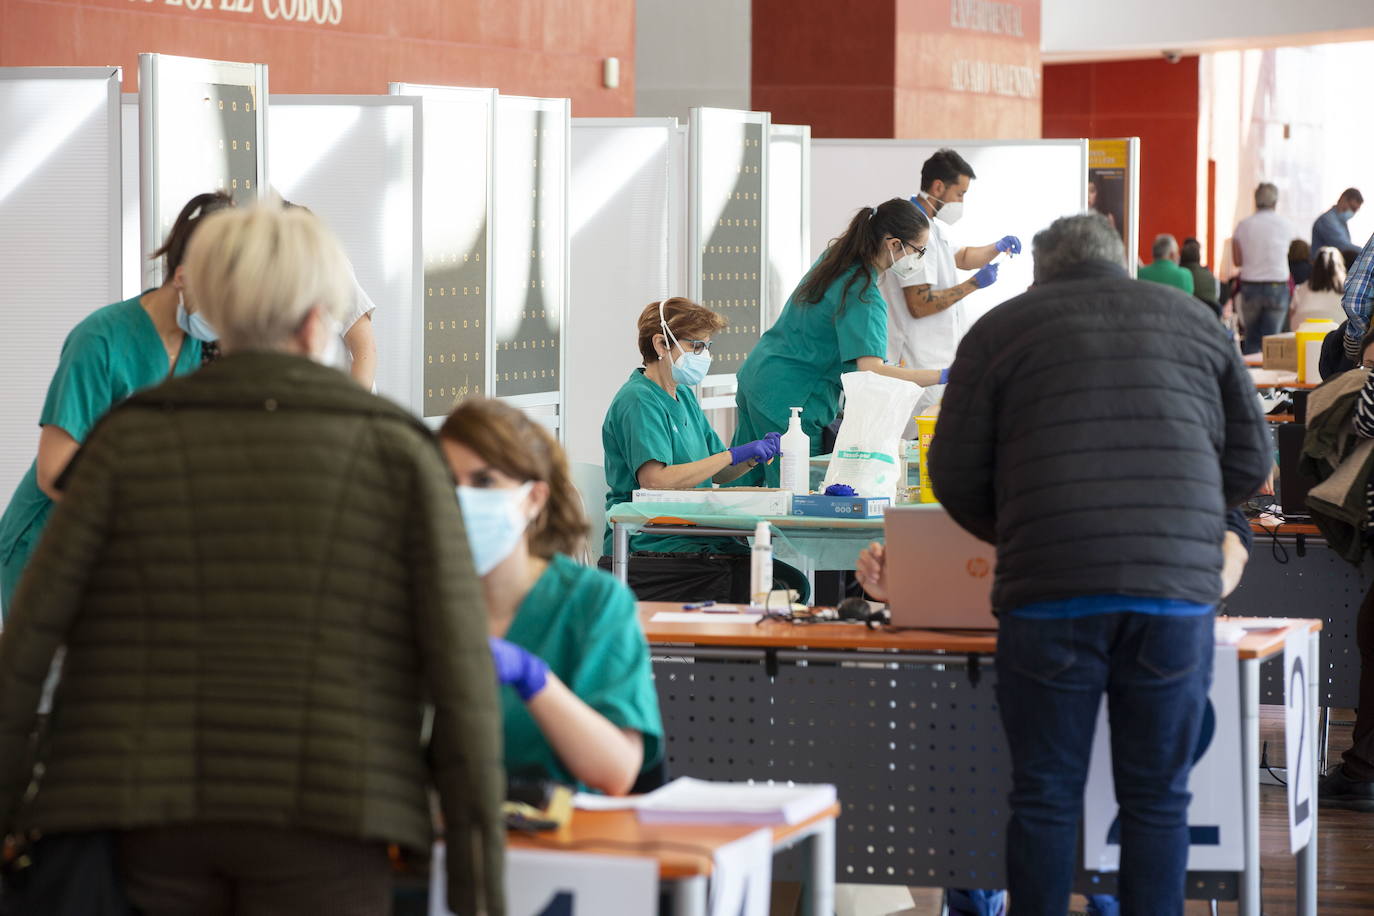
(565,637)
(261,579)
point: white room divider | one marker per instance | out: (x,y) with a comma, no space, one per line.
(1022,186)
(623,227)
(60,245)
(789,214)
(201,128)
(355,161)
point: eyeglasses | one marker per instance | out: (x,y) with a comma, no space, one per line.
(920,252)
(697,346)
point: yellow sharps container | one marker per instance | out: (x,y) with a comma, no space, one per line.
(925,432)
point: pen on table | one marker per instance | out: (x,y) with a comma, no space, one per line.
(698,606)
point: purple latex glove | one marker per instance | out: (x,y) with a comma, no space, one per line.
(839,489)
(944,376)
(523,670)
(761,450)
(985,277)
(1009,244)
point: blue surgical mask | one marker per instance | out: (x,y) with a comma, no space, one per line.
(689,368)
(1345,215)
(194,324)
(495,521)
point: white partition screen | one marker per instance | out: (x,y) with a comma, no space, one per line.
(620,223)
(789,214)
(132,233)
(456,187)
(1022,186)
(60,246)
(530,252)
(201,128)
(355,162)
(729,228)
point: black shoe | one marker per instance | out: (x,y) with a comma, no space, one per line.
(1336,790)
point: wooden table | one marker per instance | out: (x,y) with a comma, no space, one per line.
(687,871)
(1275,378)
(722,718)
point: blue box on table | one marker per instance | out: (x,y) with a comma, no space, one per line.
(840,506)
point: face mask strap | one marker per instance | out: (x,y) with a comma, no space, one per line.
(668,337)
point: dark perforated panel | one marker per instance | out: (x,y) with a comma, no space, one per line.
(1280,583)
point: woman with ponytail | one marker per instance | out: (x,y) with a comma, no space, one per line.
(834,322)
(565,637)
(111,354)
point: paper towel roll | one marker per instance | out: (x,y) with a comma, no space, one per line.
(1312,358)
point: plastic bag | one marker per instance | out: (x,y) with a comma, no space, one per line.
(867,453)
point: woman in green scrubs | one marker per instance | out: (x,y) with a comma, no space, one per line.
(111,354)
(566,639)
(834,322)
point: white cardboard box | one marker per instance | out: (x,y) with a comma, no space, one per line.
(746,500)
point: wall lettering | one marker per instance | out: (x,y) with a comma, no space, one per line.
(318,12)
(988,78)
(986,16)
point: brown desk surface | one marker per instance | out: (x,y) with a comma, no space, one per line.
(1288,528)
(1274,378)
(620,833)
(773,634)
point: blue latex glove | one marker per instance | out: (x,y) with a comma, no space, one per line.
(944,376)
(985,277)
(1008,243)
(840,489)
(761,450)
(523,670)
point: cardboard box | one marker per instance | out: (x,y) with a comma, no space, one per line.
(740,500)
(840,506)
(1281,352)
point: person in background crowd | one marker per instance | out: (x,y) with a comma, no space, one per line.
(1320,296)
(1299,263)
(1259,247)
(1351,785)
(112,353)
(925,318)
(834,322)
(261,578)
(1358,301)
(1332,228)
(1165,268)
(1205,285)
(1106,580)
(565,637)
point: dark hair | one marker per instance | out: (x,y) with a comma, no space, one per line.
(1328,271)
(1299,250)
(859,245)
(946,165)
(1353,195)
(520,448)
(686,320)
(196,209)
(1190,252)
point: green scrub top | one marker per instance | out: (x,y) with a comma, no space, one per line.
(645,423)
(799,360)
(583,623)
(112,353)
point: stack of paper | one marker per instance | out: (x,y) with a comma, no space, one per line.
(696,801)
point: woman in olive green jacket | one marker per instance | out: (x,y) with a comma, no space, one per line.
(260,575)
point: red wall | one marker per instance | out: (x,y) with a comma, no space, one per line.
(1151,99)
(548,48)
(897,68)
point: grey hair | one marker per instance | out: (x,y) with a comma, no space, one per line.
(1164,244)
(1072,240)
(1267,195)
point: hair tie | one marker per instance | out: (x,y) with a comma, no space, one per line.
(872,212)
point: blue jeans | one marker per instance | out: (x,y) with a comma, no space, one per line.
(1051,675)
(1264,309)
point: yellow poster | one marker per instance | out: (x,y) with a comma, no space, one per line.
(1108,166)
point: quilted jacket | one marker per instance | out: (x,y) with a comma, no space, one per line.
(1095,429)
(260,576)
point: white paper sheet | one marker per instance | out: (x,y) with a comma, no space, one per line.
(743,875)
(701,617)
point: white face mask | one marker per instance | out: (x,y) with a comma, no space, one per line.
(910,267)
(947,213)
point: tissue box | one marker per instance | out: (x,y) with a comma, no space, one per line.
(1281,352)
(840,506)
(745,500)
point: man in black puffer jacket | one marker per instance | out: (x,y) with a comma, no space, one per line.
(1095,429)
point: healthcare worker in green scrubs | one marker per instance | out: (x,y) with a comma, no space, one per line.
(111,354)
(565,638)
(834,322)
(655,434)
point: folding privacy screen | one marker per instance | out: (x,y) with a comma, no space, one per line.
(201,128)
(60,246)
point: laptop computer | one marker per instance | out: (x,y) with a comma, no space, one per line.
(1293,484)
(938,575)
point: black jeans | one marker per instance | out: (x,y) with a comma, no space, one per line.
(1051,675)
(1359,760)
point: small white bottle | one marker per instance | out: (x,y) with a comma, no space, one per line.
(761,565)
(796,457)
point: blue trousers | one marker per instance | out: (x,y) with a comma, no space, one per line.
(1051,675)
